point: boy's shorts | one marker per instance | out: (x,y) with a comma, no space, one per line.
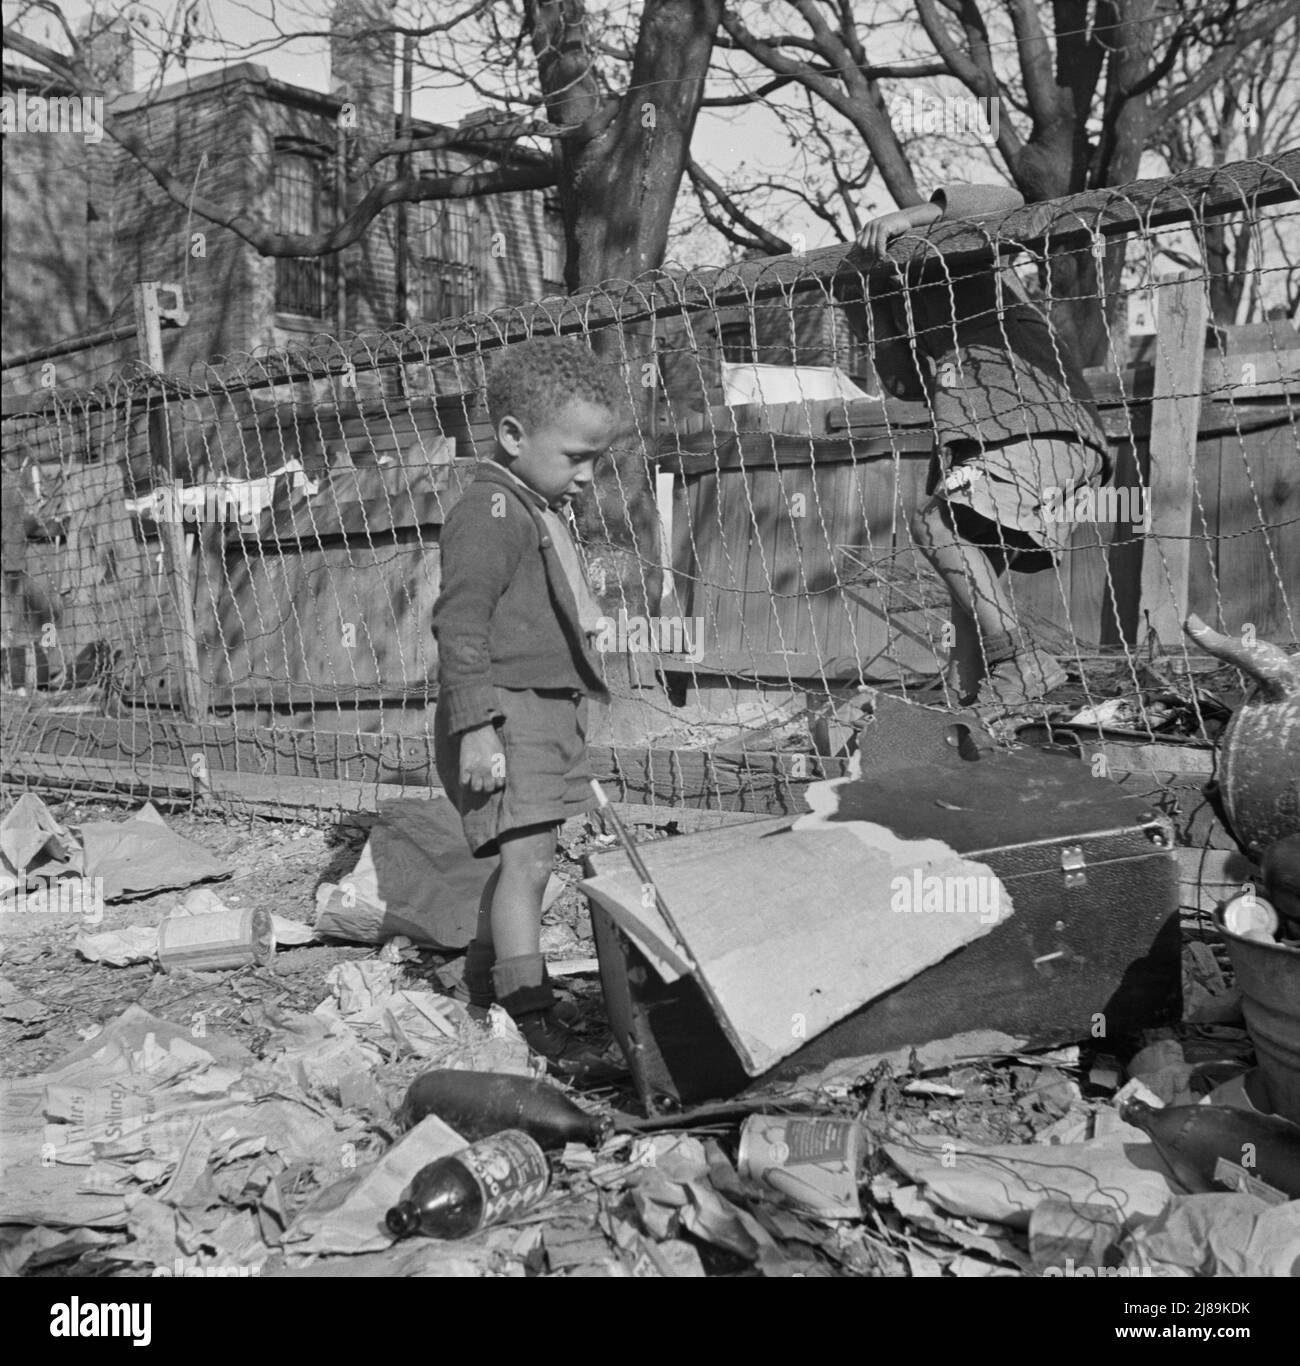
(543,733)
(1002,496)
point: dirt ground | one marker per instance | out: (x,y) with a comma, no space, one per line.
(277,866)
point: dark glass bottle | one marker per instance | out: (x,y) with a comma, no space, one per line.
(1216,1147)
(477,1104)
(486,1183)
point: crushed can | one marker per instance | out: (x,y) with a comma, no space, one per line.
(217,941)
(812,1163)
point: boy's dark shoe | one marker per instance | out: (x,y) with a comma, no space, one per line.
(529,1001)
(532,1009)
(1018,682)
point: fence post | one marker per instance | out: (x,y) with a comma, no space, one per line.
(171,523)
(1171,460)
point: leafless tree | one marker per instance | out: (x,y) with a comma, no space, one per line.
(1082,88)
(1252,111)
(610,98)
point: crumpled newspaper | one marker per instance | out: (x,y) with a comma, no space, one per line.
(364,995)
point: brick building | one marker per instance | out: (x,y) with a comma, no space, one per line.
(84,221)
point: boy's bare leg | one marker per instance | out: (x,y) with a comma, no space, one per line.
(483,929)
(975,586)
(521,876)
(520,972)
(1017,673)
(480,956)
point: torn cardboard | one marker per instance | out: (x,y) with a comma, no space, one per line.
(788,928)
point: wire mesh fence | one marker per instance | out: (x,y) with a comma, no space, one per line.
(221,583)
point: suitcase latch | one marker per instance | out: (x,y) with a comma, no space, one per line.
(1072,865)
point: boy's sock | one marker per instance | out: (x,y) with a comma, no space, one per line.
(996,648)
(513,975)
(480,983)
(479,958)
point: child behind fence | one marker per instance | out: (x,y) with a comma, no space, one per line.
(1016,435)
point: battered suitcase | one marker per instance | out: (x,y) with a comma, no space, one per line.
(1092,951)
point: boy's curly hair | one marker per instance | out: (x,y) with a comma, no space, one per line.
(534,379)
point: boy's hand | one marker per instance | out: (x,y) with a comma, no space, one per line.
(482,760)
(875,235)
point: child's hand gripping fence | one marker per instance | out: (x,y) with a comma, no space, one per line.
(223,583)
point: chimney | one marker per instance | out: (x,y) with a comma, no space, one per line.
(362,74)
(362,66)
(109,45)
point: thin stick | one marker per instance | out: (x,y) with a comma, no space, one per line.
(638,865)
(634,857)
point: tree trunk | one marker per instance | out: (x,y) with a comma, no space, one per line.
(620,175)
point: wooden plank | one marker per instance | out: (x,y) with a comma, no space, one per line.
(1124,757)
(1259,538)
(1120,603)
(343,615)
(1203,581)
(1171,487)
(764,784)
(1087,586)
(1253,374)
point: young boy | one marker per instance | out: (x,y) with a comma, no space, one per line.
(1014,419)
(514,623)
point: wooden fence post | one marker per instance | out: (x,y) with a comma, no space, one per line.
(170,518)
(1171,481)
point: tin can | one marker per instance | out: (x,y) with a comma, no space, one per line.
(1251,917)
(813,1163)
(216,941)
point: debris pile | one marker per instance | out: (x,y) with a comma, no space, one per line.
(275,1133)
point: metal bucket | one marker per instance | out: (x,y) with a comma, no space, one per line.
(1269,978)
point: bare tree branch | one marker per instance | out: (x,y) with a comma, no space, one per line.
(759,237)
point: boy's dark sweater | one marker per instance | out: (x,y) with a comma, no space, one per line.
(506,615)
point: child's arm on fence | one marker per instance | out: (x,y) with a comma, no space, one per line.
(876,234)
(947,203)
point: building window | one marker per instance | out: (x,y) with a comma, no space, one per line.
(300,281)
(737,342)
(446,256)
(552,253)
